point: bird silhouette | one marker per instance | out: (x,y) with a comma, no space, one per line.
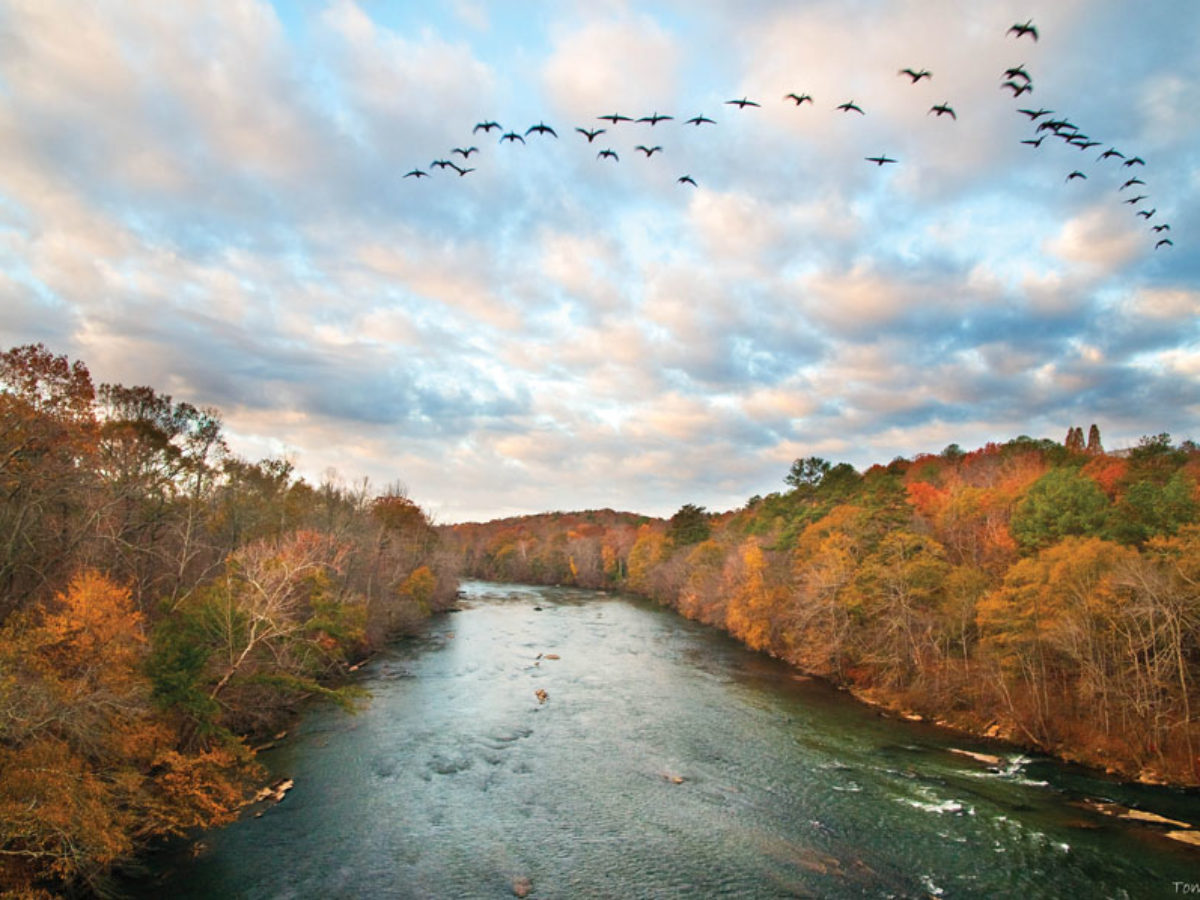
(1134,201)
(609,153)
(686,179)
(1147,213)
(1111,152)
(851,105)
(649,151)
(700,120)
(460,170)
(1163,227)
(512,136)
(1130,183)
(416,173)
(943,109)
(1018,89)
(485,127)
(541,128)
(1027,29)
(614,118)
(1083,145)
(1017,72)
(440,164)
(1134,161)
(1076,174)
(465,153)
(591,135)
(799,98)
(914,75)
(741,104)
(655,119)
(1033,143)
(1035,114)
(1165,242)
(879,160)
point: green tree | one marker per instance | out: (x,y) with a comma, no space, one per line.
(808,472)
(1060,503)
(688,526)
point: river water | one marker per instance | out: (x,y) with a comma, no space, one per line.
(666,760)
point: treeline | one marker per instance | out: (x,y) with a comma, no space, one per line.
(1047,592)
(164,604)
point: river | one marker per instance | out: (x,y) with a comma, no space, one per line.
(665,760)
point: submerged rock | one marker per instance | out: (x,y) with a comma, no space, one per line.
(985,758)
(541,695)
(522,887)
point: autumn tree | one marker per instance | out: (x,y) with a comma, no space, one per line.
(688,526)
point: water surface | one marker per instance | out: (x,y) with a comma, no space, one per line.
(665,761)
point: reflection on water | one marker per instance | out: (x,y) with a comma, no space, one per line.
(664,761)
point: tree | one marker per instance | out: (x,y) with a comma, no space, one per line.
(1094,446)
(1061,503)
(807,473)
(688,526)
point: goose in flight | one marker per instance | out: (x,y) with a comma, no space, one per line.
(591,134)
(1033,143)
(655,119)
(465,152)
(1130,183)
(1134,161)
(485,127)
(440,164)
(609,153)
(1018,89)
(460,170)
(1134,201)
(851,105)
(798,98)
(741,104)
(649,151)
(541,128)
(1017,72)
(686,179)
(512,136)
(943,109)
(1165,242)
(416,173)
(1076,174)
(1147,213)
(1111,151)
(879,160)
(1027,29)
(614,118)
(914,75)
(700,120)
(1035,114)
(1162,227)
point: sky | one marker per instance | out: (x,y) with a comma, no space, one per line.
(210,198)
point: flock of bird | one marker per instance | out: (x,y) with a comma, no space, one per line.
(1015,79)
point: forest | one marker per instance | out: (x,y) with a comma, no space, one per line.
(165,606)
(1041,591)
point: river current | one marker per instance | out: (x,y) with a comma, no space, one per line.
(663,760)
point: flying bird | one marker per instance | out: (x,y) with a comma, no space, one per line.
(1147,213)
(460,170)
(700,120)
(1134,161)
(655,119)
(1017,72)
(1076,174)
(742,104)
(914,75)
(1083,145)
(1130,183)
(591,135)
(466,153)
(615,118)
(1033,143)
(943,109)
(1035,114)
(799,98)
(1163,227)
(512,136)
(1164,242)
(440,164)
(851,105)
(879,160)
(485,127)
(416,173)
(610,153)
(649,151)
(1134,201)
(1111,151)
(541,128)
(686,179)
(1027,29)
(1018,89)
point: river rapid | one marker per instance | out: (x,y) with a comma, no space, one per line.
(665,760)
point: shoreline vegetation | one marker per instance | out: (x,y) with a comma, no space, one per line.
(1041,592)
(166,607)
